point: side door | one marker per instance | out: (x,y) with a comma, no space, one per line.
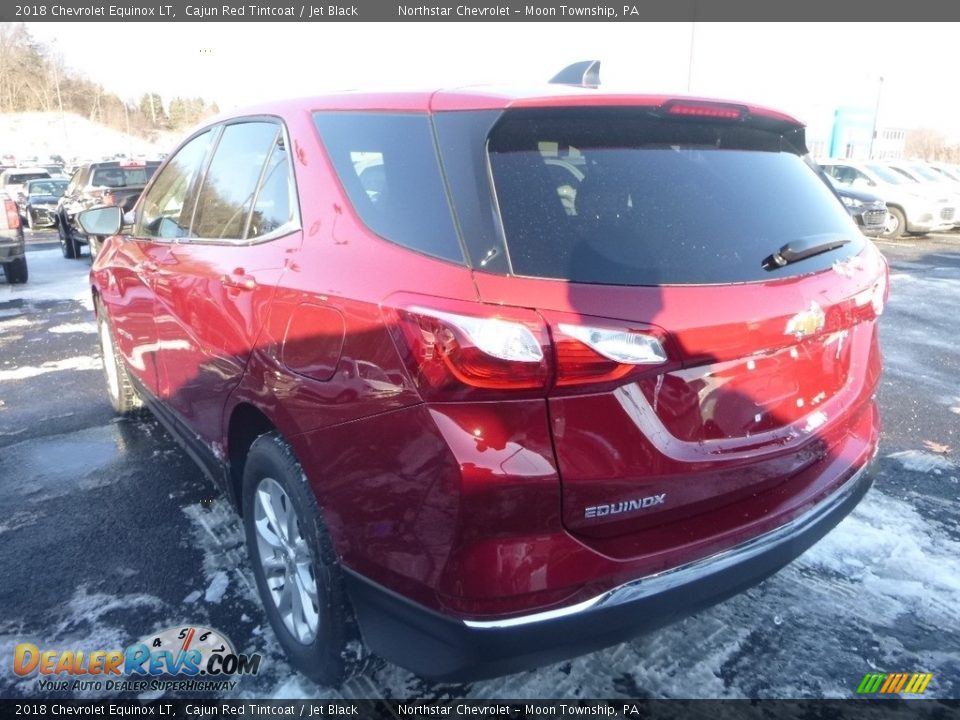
(214,286)
(132,301)
(68,203)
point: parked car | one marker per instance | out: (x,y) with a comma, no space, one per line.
(38,202)
(935,183)
(13,255)
(868,210)
(910,208)
(98,183)
(12,180)
(568,427)
(949,171)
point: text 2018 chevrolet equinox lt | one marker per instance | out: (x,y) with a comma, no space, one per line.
(496,378)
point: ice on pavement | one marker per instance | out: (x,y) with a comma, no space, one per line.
(217,587)
(75,363)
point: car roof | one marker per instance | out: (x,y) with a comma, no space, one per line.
(485,98)
(24,171)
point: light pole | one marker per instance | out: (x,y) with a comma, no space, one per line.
(876,112)
(693,28)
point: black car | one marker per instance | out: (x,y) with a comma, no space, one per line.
(38,202)
(869,210)
(115,182)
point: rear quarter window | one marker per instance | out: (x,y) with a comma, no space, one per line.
(388,166)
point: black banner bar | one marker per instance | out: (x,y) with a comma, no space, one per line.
(477,10)
(620,709)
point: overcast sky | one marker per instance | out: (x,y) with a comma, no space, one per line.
(805,69)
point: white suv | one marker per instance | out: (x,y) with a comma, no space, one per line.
(911,207)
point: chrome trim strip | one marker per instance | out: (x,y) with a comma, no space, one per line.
(669,579)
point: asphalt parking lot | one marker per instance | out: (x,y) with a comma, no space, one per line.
(109,533)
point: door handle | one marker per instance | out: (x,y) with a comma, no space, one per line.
(239,281)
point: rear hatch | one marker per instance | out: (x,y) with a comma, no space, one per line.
(710,304)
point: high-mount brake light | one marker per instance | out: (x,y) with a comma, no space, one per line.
(712,111)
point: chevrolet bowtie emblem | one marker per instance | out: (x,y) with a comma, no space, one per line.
(807,322)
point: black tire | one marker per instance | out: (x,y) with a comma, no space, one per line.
(67,246)
(16,271)
(123,397)
(896,225)
(325,658)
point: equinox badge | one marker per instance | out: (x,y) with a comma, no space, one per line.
(624,506)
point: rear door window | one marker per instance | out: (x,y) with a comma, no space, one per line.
(229,187)
(617,196)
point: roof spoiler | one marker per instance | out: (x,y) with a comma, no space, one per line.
(584,74)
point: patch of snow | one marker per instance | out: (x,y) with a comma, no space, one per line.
(216,589)
(14,323)
(919,461)
(89,328)
(52,277)
(29,371)
(192,597)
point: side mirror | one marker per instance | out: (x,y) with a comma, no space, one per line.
(101,221)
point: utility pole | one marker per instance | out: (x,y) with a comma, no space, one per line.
(693,28)
(876,113)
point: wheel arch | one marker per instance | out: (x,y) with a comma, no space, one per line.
(246,424)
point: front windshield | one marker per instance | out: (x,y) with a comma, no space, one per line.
(889,176)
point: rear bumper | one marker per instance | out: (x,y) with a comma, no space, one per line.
(445,648)
(11,245)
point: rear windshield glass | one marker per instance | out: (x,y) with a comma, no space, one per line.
(122,177)
(388,165)
(20,178)
(617,196)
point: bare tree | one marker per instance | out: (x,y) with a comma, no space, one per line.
(926,144)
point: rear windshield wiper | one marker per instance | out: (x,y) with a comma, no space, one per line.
(797,250)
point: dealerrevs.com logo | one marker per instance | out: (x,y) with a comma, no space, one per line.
(183,658)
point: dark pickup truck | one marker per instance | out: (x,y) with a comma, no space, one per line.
(98,183)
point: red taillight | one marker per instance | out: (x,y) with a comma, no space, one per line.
(713,111)
(470,350)
(598,353)
(466,347)
(13,215)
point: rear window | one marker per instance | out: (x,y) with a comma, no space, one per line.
(123,176)
(388,166)
(21,178)
(618,196)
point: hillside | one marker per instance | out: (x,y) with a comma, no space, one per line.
(70,135)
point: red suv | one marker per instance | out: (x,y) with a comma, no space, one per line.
(499,378)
